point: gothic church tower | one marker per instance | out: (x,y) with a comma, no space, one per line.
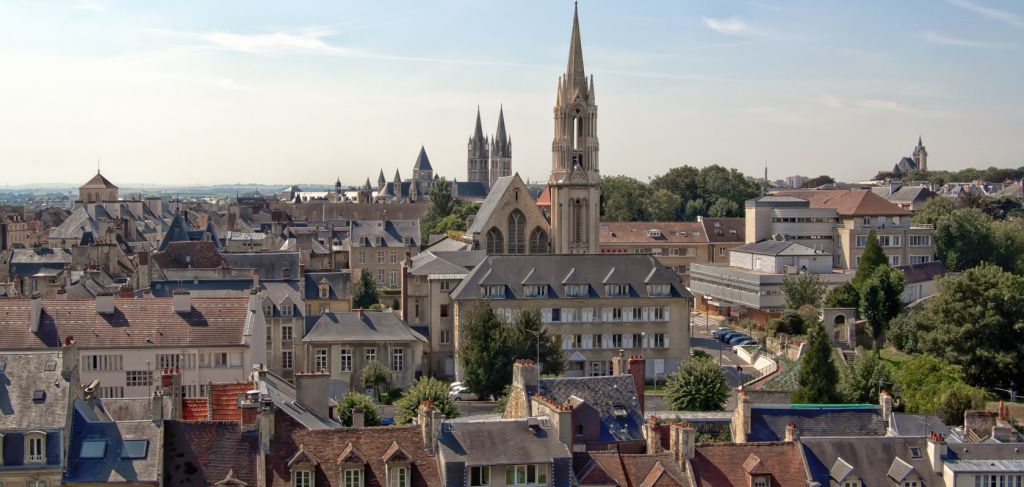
(920,156)
(575,174)
(478,159)
(501,151)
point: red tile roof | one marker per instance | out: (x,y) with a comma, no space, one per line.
(135,323)
(639,232)
(849,202)
(194,409)
(225,400)
(722,464)
(325,446)
(545,197)
(634,470)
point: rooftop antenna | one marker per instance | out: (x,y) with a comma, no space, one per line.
(764,184)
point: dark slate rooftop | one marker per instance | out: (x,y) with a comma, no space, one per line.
(906,424)
(102,450)
(490,203)
(775,247)
(768,423)
(271,265)
(871,458)
(605,394)
(923,272)
(488,443)
(339,284)
(392,233)
(203,454)
(282,393)
(24,374)
(511,270)
(471,189)
(376,326)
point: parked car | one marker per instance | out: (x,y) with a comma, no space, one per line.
(729,336)
(459,392)
(717,332)
(737,339)
(747,341)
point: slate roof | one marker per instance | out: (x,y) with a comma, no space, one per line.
(188,254)
(604,394)
(326,446)
(905,424)
(491,203)
(392,233)
(135,323)
(443,262)
(339,284)
(470,189)
(775,247)
(923,272)
(905,194)
(24,374)
(201,454)
(510,270)
(282,393)
(871,458)
(981,457)
(487,443)
(849,202)
(422,161)
(271,265)
(373,326)
(90,423)
(723,464)
(722,230)
(75,225)
(639,232)
(98,181)
(768,423)
(29,262)
(614,468)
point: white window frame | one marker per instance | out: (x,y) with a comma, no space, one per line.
(398,359)
(287,360)
(320,360)
(352,477)
(345,360)
(370,354)
(483,476)
(286,333)
(302,478)
(35,447)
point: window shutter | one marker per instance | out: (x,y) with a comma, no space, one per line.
(566,342)
(588,314)
(606,340)
(666,341)
(627,340)
(588,341)
(647,314)
(545,315)
(667,316)
(606,314)
(627,314)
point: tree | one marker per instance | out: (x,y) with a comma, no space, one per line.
(724,207)
(859,383)
(872,257)
(442,205)
(958,399)
(664,206)
(963,239)
(844,296)
(693,209)
(818,375)
(976,321)
(927,385)
(371,413)
(881,300)
(407,407)
(818,181)
(523,339)
(485,356)
(364,292)
(680,181)
(1008,237)
(803,288)
(624,198)
(375,375)
(698,385)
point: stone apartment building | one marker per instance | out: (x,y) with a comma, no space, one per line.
(429,279)
(597,304)
(381,246)
(677,245)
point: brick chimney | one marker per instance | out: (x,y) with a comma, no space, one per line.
(682,442)
(637,366)
(936,451)
(741,417)
(653,435)
(885,403)
(125,291)
(792,433)
(358,417)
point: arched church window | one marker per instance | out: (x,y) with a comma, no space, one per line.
(539,241)
(516,232)
(577,221)
(495,242)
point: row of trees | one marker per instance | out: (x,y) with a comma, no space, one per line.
(990,175)
(682,193)
(970,231)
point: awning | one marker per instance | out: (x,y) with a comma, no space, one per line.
(577,357)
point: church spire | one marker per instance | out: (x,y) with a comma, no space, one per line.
(478,133)
(575,77)
(500,135)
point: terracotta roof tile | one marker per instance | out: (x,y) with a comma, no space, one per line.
(722,464)
(135,323)
(640,232)
(849,202)
(194,409)
(660,469)
(225,400)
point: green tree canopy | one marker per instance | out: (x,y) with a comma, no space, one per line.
(523,339)
(843,296)
(881,300)
(803,289)
(724,207)
(818,376)
(872,257)
(860,382)
(930,385)
(664,206)
(963,239)
(375,375)
(407,407)
(624,198)
(364,291)
(681,181)
(486,358)
(351,400)
(698,385)
(818,181)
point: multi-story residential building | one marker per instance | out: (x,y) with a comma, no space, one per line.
(789,218)
(14,232)
(381,247)
(751,285)
(676,244)
(598,304)
(328,292)
(38,391)
(341,344)
(427,307)
(285,316)
(910,198)
(796,181)
(123,341)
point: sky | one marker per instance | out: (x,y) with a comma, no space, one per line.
(233,91)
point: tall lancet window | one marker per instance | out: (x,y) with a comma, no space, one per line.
(495,244)
(516,232)
(577,221)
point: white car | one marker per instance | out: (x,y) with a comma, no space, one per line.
(459,392)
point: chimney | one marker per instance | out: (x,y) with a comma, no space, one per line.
(69,357)
(362,313)
(358,417)
(266,424)
(255,279)
(526,376)
(741,417)
(637,366)
(250,409)
(181,301)
(689,434)
(125,292)
(311,391)
(157,407)
(425,417)
(792,433)
(936,451)
(653,435)
(619,363)
(35,304)
(104,303)
(885,401)
(682,442)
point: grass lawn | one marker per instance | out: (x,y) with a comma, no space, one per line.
(892,357)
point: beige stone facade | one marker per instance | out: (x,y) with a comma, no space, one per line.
(509,221)
(902,242)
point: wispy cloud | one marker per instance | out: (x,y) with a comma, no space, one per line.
(311,41)
(730,26)
(944,40)
(990,13)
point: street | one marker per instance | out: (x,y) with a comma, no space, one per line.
(701,339)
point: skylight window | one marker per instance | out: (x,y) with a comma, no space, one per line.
(51,365)
(135,449)
(93,449)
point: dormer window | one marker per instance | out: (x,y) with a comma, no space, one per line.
(352,477)
(479,476)
(302,478)
(654,233)
(268,310)
(377,241)
(493,292)
(400,477)
(536,290)
(613,290)
(760,481)
(407,241)
(659,289)
(576,290)
(286,310)
(526,475)
(35,447)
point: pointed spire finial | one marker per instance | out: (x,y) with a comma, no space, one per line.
(574,73)
(478,131)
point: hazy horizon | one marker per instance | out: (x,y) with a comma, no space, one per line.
(207,93)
